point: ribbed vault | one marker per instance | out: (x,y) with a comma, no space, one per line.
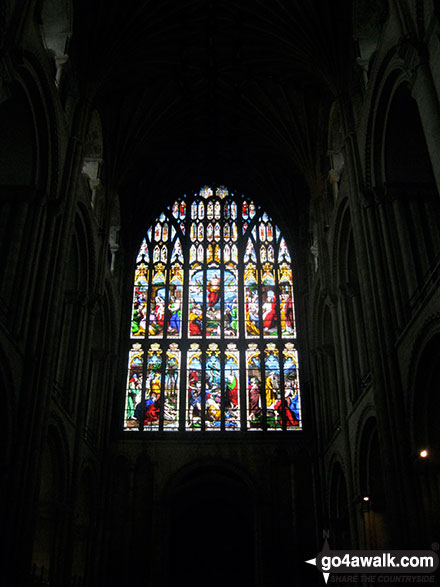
(199,90)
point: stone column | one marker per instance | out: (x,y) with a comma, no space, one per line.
(424,92)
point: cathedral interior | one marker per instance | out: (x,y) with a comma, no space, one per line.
(320,121)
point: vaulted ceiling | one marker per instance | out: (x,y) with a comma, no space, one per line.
(202,91)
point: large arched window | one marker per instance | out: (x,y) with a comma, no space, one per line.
(213,323)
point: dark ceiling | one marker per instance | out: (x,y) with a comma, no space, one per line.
(203,91)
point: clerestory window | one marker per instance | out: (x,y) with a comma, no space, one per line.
(213,337)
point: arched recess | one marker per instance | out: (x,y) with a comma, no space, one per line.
(51,499)
(117,524)
(29,176)
(79,283)
(100,347)
(142,539)
(85,505)
(18,157)
(426,433)
(325,375)
(372,487)
(353,334)
(7,435)
(338,509)
(408,192)
(211,528)
(330,378)
(18,169)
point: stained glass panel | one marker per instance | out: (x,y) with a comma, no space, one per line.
(143,255)
(252,305)
(221,192)
(269,301)
(232,387)
(194,388)
(291,387)
(153,388)
(213,302)
(249,254)
(213,395)
(177,254)
(206,192)
(157,303)
(272,387)
(175,302)
(283,254)
(139,307)
(286,301)
(253,381)
(195,315)
(134,387)
(172,388)
(230,326)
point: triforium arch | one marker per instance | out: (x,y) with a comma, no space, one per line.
(213,332)
(83,519)
(118,557)
(423,407)
(324,360)
(18,177)
(8,395)
(52,498)
(100,371)
(371,486)
(405,190)
(352,329)
(79,290)
(411,187)
(338,507)
(215,486)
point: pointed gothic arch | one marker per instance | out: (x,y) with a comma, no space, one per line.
(213,335)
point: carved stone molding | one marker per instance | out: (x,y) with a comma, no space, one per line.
(350,289)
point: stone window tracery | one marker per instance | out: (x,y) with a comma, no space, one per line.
(213,334)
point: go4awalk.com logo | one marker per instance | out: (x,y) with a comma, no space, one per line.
(376,566)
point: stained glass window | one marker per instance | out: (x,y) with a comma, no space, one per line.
(213,336)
